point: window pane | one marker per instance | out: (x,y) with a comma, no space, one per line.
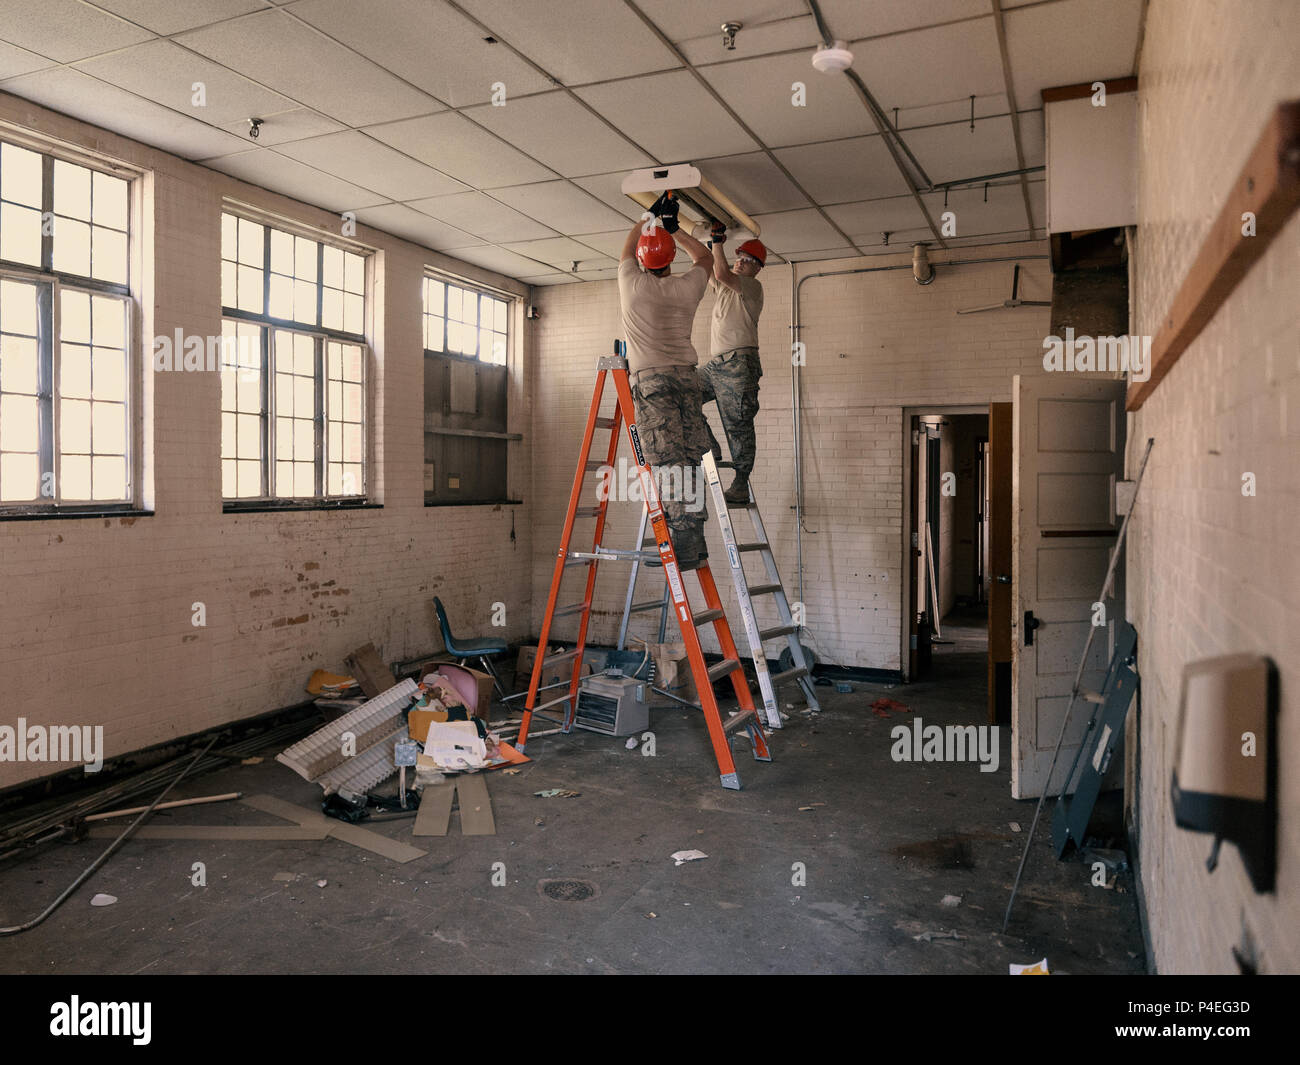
(499,315)
(17,364)
(18,307)
(304,479)
(485,344)
(453,335)
(110,201)
(304,396)
(74,371)
(250,290)
(453,302)
(352,364)
(436,335)
(108,255)
(20,234)
(304,302)
(74,426)
(229,231)
(248,440)
(251,250)
(228,295)
(109,477)
(74,316)
(250,479)
(281,252)
(71,246)
(353,313)
(331,311)
(283,400)
(284,439)
(469,309)
(435,294)
(18,425)
(352,443)
(281,303)
(304,439)
(19,477)
(20,175)
(332,269)
(248,392)
(304,355)
(498,357)
(108,375)
(227,439)
(354,273)
(71,190)
(352,403)
(75,482)
(109,316)
(229,482)
(108,423)
(305,259)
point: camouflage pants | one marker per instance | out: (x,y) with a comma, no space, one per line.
(674,436)
(732,379)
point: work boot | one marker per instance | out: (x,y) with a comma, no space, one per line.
(689,547)
(738,494)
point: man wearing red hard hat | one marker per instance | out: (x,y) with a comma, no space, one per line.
(732,372)
(658,312)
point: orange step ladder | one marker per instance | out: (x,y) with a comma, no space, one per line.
(720,731)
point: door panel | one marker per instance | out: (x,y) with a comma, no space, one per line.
(999,567)
(1069,451)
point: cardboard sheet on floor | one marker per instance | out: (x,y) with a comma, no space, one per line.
(470,789)
(272,833)
(356,835)
(434,815)
(369,670)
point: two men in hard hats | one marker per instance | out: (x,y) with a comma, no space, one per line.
(732,372)
(658,311)
(668,388)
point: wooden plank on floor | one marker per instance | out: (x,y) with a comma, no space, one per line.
(356,835)
(276,833)
(434,815)
(370,671)
(475,805)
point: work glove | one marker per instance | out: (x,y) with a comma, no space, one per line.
(718,235)
(665,208)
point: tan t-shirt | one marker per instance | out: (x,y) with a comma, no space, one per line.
(658,313)
(735,315)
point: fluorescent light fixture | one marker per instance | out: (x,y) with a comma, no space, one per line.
(701,200)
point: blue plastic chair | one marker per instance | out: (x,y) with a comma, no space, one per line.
(461,650)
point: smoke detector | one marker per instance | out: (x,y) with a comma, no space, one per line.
(836,57)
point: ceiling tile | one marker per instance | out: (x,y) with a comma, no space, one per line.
(502,261)
(952,152)
(755,39)
(842,252)
(15,61)
(543,280)
(279,128)
(483,216)
(853,19)
(1033,138)
(1038,204)
(1003,210)
(865,221)
(559,205)
(932,66)
(986,106)
(354,157)
(66,30)
(844,171)
(558,131)
(683,20)
(609,189)
(561,252)
(754,182)
(428,43)
(760,91)
(173,16)
(320,74)
(166,73)
(590,40)
(671,116)
(456,146)
(608,244)
(401,221)
(77,94)
(792,231)
(1070,42)
(261,166)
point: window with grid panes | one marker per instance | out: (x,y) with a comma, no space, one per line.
(293,385)
(66,358)
(466,347)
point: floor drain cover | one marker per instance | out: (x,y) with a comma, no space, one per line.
(568,890)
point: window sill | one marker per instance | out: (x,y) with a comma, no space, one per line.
(473,502)
(66,514)
(283,507)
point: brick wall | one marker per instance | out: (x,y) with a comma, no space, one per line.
(876,343)
(1211,571)
(95,614)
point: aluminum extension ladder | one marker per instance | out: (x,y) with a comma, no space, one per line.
(720,731)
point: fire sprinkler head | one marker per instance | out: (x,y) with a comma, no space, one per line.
(729,30)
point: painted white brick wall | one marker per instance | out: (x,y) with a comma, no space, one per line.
(1212,572)
(876,343)
(95,614)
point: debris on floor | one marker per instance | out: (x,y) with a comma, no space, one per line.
(631,743)
(1015,826)
(103,900)
(557,793)
(682,857)
(283,876)
(326,685)
(811,806)
(1036,968)
(930,936)
(882,706)
(950,900)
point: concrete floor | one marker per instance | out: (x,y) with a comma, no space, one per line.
(890,842)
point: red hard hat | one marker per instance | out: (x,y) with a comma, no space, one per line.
(754,249)
(656,249)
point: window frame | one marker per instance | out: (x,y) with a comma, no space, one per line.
(50,284)
(268,325)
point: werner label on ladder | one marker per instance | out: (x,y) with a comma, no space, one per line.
(720,731)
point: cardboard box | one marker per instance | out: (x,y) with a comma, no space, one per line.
(484,690)
(672,674)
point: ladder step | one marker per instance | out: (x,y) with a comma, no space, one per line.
(648,604)
(579,561)
(764,589)
(604,423)
(723,669)
(762,546)
(788,675)
(705,616)
(739,721)
(777,630)
(587,512)
(563,656)
(572,608)
(726,465)
(551,702)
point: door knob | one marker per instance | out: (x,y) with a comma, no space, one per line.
(1031,623)
(1004,578)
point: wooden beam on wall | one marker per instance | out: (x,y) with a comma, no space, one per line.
(1269,188)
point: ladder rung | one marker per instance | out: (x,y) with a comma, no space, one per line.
(551,702)
(726,465)
(764,589)
(742,506)
(579,561)
(572,608)
(788,675)
(604,423)
(723,669)
(762,546)
(739,721)
(587,512)
(648,604)
(563,656)
(777,630)
(705,616)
